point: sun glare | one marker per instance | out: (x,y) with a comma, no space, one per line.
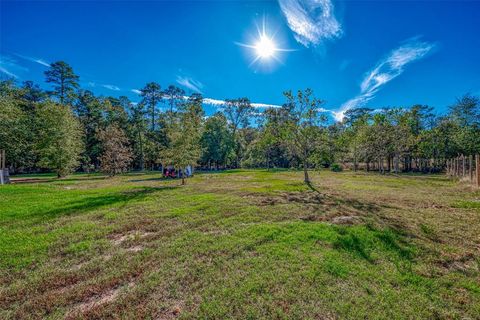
(265,47)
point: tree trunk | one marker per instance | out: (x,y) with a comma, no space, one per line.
(306,178)
(355,159)
(183,177)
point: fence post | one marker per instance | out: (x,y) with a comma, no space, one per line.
(477,172)
(457,166)
(470,167)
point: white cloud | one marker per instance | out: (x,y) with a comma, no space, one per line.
(264,105)
(10,67)
(216,102)
(190,83)
(136,91)
(219,103)
(111,87)
(106,86)
(42,62)
(213,102)
(8,73)
(36,60)
(312,21)
(385,71)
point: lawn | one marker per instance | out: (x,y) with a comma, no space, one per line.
(243,244)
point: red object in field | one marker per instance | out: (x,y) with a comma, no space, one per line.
(170,173)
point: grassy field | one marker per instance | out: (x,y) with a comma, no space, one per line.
(240,244)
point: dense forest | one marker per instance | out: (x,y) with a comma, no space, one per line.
(70,129)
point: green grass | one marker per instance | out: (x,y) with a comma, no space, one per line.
(244,244)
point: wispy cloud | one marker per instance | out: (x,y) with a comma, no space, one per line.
(385,71)
(8,73)
(213,102)
(265,105)
(32,59)
(10,67)
(136,91)
(190,83)
(219,103)
(111,87)
(312,21)
(106,86)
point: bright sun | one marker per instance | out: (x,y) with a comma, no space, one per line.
(265,47)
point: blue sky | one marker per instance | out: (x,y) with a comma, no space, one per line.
(353,53)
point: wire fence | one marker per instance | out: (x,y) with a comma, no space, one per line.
(465,168)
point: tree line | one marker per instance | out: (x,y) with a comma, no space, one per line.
(69,129)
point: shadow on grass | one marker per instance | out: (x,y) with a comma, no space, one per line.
(55,179)
(362,241)
(94,202)
(160,178)
(312,187)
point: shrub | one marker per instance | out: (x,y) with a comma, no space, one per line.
(336,167)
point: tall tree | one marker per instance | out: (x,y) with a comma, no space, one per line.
(90,111)
(32,93)
(16,128)
(238,113)
(139,129)
(59,143)
(151,95)
(64,81)
(184,133)
(174,96)
(216,141)
(116,154)
(302,130)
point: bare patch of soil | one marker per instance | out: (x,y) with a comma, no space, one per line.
(118,239)
(172,312)
(467,264)
(135,249)
(98,300)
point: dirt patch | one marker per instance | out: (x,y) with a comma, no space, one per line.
(77,266)
(170,313)
(318,202)
(343,220)
(97,300)
(118,239)
(468,264)
(346,220)
(135,249)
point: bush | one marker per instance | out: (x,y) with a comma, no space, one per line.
(336,167)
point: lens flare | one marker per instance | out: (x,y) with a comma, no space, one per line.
(264,46)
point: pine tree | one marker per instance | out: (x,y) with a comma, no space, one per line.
(64,81)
